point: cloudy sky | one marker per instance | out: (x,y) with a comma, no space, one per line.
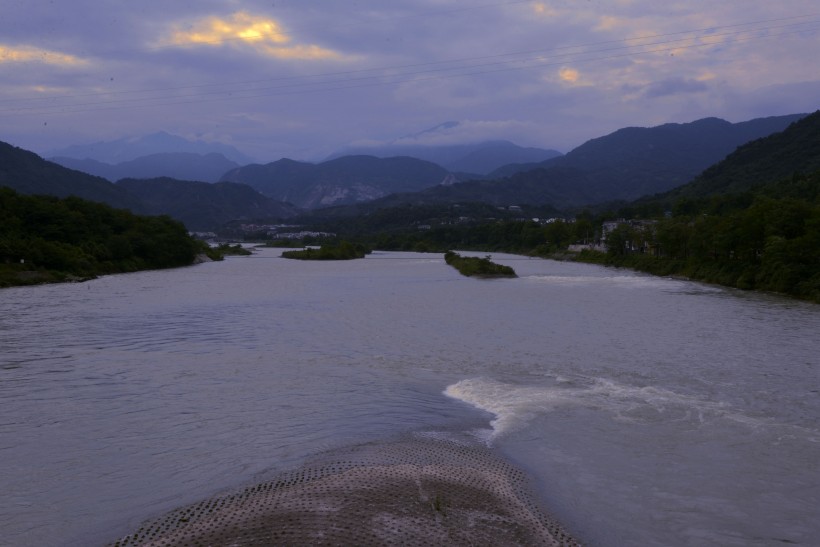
(302,78)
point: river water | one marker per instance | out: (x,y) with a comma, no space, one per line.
(647,411)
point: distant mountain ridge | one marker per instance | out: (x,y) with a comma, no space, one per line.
(28,173)
(345,180)
(764,161)
(478,158)
(178,165)
(200,205)
(622,166)
(131,148)
(204,206)
(635,161)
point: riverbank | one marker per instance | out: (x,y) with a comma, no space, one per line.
(14,275)
(418,491)
(726,274)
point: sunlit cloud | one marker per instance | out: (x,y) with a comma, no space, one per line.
(265,35)
(609,23)
(48,89)
(569,75)
(29,54)
(543,10)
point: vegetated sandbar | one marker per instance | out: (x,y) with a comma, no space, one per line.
(418,491)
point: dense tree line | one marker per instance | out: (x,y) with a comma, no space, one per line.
(45,238)
(767,239)
(515,236)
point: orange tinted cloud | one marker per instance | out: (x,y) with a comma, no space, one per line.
(569,75)
(30,54)
(263,34)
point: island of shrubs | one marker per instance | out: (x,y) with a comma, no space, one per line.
(226,249)
(475,266)
(341,251)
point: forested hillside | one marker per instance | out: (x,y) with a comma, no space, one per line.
(28,173)
(751,221)
(762,161)
(200,205)
(203,206)
(44,238)
(622,166)
(769,240)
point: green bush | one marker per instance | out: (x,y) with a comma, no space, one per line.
(475,266)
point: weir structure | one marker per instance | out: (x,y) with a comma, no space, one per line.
(418,491)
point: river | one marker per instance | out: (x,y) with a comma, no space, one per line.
(647,411)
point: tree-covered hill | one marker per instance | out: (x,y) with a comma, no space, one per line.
(751,221)
(204,206)
(760,162)
(45,238)
(28,173)
(636,161)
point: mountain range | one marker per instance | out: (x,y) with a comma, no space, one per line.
(623,165)
(200,205)
(341,181)
(179,165)
(203,206)
(131,148)
(475,160)
(790,153)
(28,173)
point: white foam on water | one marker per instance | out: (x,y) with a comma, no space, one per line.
(620,281)
(514,406)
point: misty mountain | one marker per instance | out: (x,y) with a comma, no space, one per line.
(204,206)
(177,165)
(345,180)
(131,148)
(200,205)
(28,173)
(636,161)
(480,158)
(763,161)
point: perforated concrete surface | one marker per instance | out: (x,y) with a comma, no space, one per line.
(413,492)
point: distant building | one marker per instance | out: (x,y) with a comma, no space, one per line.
(301,235)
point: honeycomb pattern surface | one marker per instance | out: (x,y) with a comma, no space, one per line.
(410,492)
